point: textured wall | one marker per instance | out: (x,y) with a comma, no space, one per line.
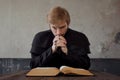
(8,65)
(20,20)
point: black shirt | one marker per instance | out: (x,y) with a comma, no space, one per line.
(78,49)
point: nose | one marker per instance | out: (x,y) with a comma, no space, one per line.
(58,31)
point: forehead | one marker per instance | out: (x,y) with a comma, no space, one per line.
(58,24)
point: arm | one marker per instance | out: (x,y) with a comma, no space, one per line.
(39,57)
(78,49)
(77,58)
(41,52)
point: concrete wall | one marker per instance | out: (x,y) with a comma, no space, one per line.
(20,20)
(8,65)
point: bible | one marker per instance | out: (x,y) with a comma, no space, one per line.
(53,71)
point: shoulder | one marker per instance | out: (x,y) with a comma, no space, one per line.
(78,37)
(43,33)
(43,36)
(77,34)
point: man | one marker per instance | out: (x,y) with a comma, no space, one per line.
(60,45)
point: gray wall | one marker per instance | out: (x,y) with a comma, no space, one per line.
(8,65)
(20,20)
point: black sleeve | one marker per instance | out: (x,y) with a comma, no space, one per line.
(39,53)
(77,59)
(78,53)
(46,59)
(38,58)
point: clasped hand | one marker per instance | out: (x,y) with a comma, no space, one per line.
(59,41)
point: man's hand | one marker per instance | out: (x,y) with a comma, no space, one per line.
(59,41)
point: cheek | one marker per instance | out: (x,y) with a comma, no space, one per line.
(65,30)
(53,31)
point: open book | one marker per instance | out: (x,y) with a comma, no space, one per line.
(53,71)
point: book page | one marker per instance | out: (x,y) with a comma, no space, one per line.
(43,71)
(77,71)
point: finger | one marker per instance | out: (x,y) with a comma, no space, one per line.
(60,43)
(62,38)
(56,39)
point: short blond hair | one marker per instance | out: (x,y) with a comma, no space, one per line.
(58,14)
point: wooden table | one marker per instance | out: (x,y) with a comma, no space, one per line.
(98,76)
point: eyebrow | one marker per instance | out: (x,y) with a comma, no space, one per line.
(62,26)
(59,27)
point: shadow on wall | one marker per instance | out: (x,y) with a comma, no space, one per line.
(117,38)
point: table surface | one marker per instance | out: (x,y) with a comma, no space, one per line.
(98,76)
